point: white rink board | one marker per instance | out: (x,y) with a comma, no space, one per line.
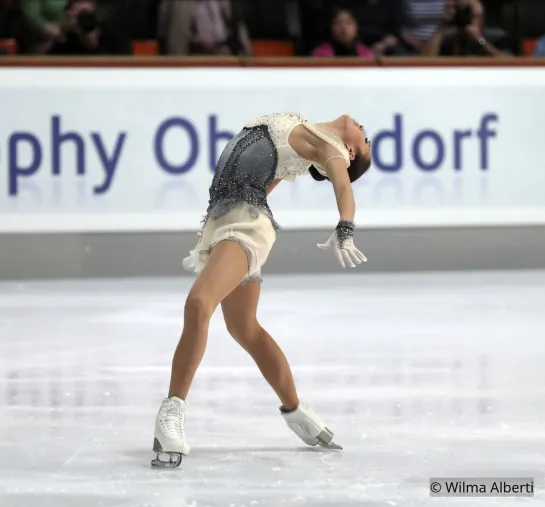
(133,150)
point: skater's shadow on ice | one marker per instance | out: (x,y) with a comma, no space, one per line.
(251,449)
(223,451)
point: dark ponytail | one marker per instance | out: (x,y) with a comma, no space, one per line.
(315,174)
(358,167)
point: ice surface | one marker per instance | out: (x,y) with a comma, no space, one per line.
(417,375)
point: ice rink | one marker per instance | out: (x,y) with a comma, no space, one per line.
(419,376)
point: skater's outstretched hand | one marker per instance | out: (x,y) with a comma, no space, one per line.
(342,244)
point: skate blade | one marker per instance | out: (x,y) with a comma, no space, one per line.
(325,439)
(174,460)
(331,445)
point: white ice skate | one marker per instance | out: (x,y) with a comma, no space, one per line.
(170,442)
(310,427)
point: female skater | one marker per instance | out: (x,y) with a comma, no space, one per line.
(238,234)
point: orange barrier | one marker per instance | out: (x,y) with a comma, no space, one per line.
(272,48)
(145,47)
(219,62)
(529,46)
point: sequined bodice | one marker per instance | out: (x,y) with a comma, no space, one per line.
(280,126)
(255,157)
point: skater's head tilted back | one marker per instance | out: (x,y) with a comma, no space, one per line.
(355,140)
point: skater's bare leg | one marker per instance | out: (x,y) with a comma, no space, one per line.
(226,267)
(240,314)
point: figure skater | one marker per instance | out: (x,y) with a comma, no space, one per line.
(238,233)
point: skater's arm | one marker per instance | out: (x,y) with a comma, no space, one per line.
(338,175)
(272,186)
(334,165)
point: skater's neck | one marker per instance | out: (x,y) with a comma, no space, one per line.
(336,127)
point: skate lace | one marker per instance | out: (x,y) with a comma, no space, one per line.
(173,420)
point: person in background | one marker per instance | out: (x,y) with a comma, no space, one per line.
(380,25)
(81,33)
(203,27)
(344,38)
(466,19)
(423,17)
(539,50)
(42,20)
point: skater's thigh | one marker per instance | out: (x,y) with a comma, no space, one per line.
(226,267)
(240,310)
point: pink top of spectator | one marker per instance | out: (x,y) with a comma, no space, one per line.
(326,50)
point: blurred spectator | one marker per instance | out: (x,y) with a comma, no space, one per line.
(540,47)
(81,33)
(381,23)
(42,19)
(206,27)
(466,19)
(344,39)
(423,17)
(142,19)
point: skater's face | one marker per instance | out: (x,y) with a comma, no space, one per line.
(357,140)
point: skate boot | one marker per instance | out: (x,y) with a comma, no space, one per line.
(309,427)
(170,443)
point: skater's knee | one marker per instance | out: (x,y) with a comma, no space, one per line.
(244,332)
(198,308)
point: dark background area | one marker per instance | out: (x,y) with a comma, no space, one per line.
(274,27)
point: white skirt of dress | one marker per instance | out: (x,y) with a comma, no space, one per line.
(245,225)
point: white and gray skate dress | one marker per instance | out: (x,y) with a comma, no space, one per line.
(238,209)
